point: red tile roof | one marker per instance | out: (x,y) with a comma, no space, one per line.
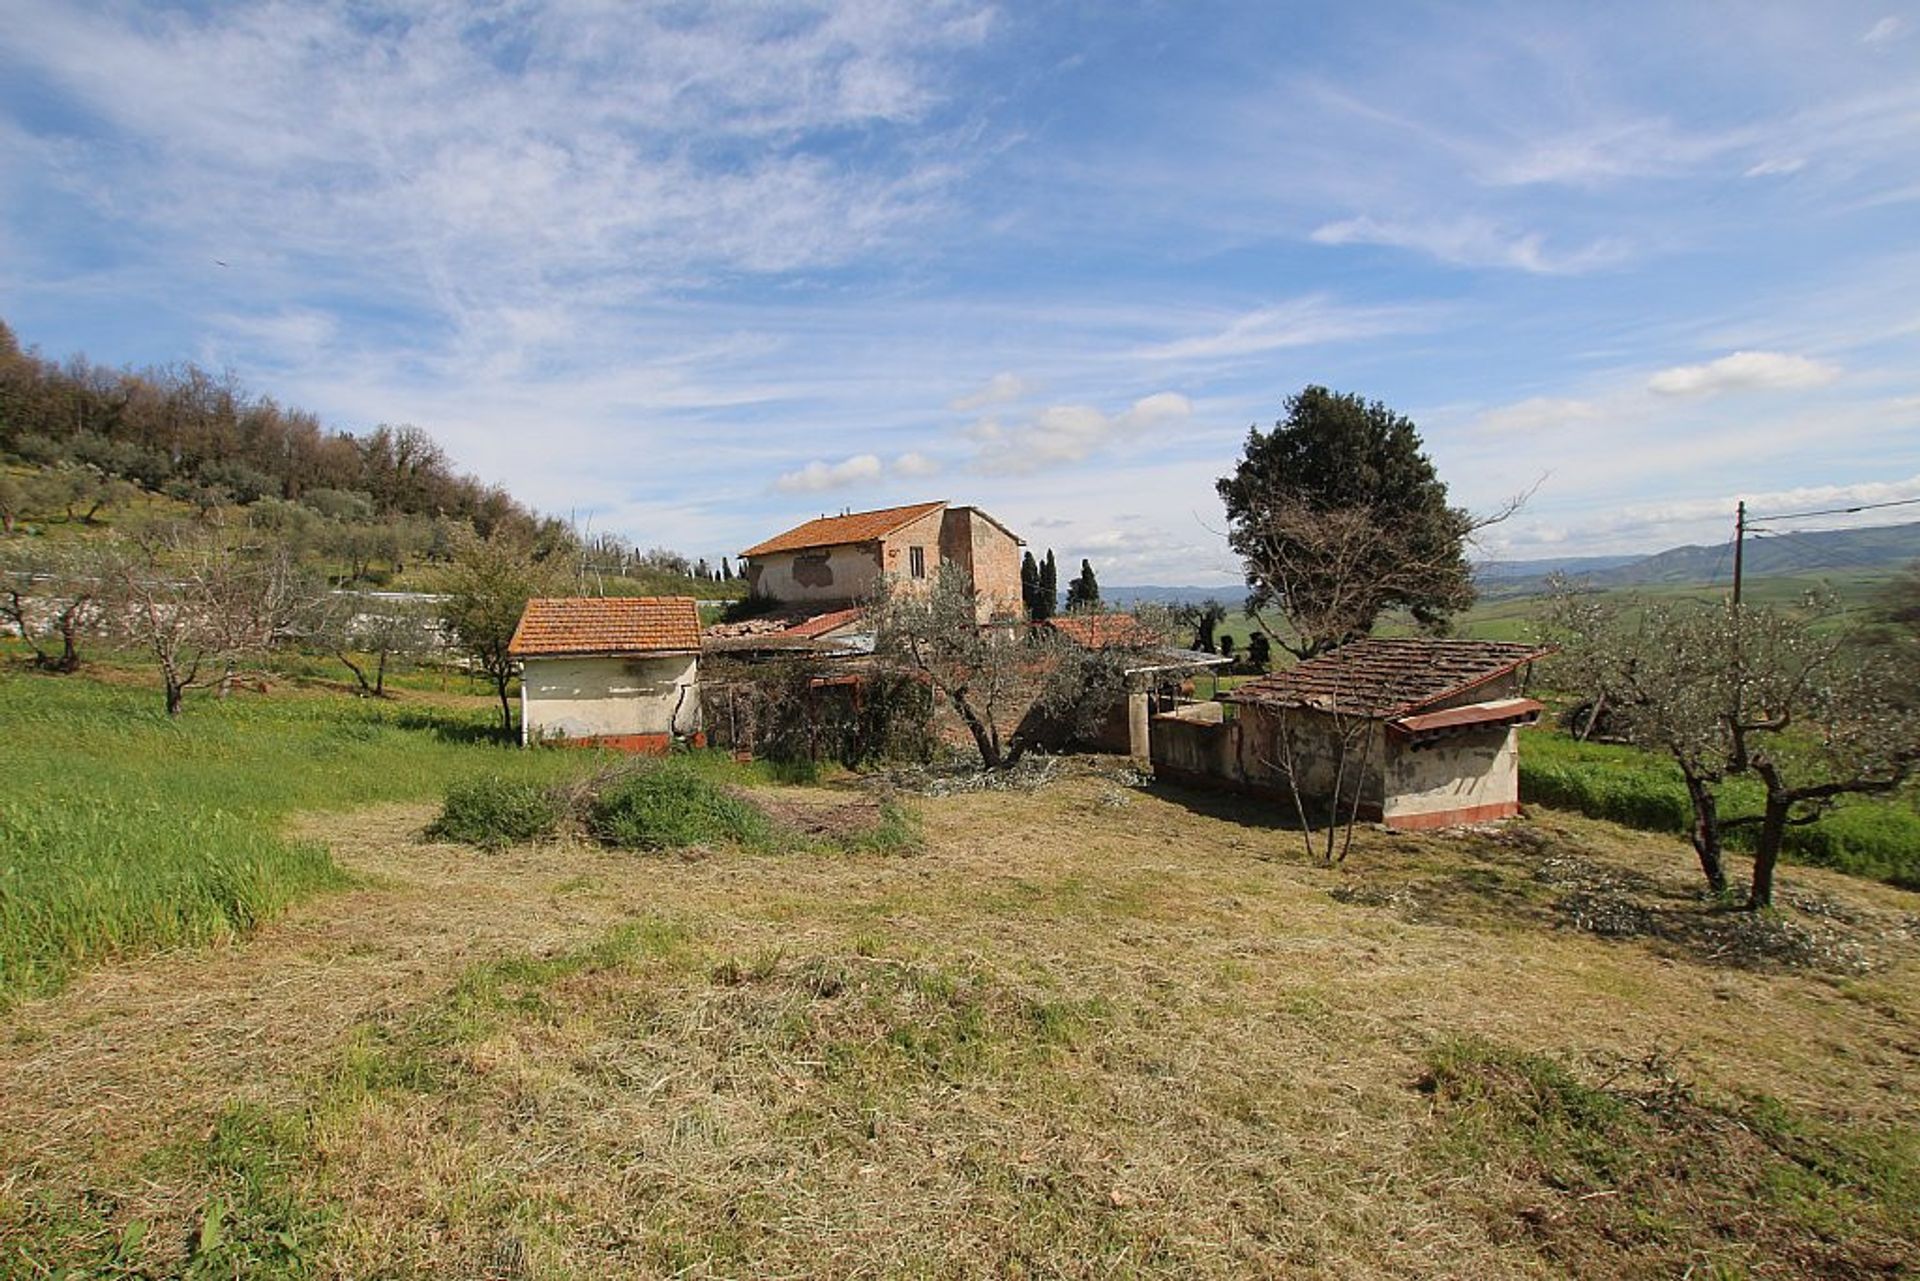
(821,624)
(607,625)
(1388,677)
(1100,631)
(835,531)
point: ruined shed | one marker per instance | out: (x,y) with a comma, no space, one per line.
(620,672)
(1425,729)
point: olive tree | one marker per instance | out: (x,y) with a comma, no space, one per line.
(1660,669)
(1782,694)
(1014,688)
(198,605)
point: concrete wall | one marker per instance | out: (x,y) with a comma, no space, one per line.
(1195,745)
(824,575)
(1464,778)
(581,698)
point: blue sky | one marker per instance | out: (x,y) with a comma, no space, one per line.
(695,272)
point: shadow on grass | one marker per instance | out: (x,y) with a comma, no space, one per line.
(1524,876)
(452,728)
(1273,814)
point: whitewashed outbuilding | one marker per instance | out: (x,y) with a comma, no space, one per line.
(615,671)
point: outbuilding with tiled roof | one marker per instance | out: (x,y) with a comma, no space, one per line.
(1420,732)
(614,671)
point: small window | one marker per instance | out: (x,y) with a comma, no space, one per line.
(917,561)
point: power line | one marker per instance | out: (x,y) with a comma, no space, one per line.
(1835,511)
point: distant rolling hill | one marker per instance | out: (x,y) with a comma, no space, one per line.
(1881,549)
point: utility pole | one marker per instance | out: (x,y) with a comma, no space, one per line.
(1739,546)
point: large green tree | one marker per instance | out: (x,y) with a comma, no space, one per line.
(1339,517)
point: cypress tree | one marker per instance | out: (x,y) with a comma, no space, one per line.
(1048,598)
(1084,591)
(1030,584)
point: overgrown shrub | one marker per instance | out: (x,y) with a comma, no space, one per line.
(669,806)
(494,812)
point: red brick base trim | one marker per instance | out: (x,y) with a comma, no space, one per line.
(1452,818)
(633,744)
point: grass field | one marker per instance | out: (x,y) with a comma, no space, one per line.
(122,832)
(1081,1027)
(1866,836)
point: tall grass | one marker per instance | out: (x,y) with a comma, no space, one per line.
(1862,836)
(122,832)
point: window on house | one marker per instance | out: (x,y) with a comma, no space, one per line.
(917,561)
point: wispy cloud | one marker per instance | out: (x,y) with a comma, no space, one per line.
(1001,389)
(1540,414)
(1476,242)
(1302,322)
(1743,371)
(1885,31)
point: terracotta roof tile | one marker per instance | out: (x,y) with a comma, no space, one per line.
(1388,676)
(835,531)
(821,624)
(1098,631)
(607,625)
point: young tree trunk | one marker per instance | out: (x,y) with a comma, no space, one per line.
(506,706)
(1706,831)
(359,673)
(1773,827)
(69,646)
(380,677)
(176,694)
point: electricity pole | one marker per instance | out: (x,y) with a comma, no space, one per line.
(1739,546)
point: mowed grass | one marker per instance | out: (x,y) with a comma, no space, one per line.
(122,832)
(1092,1030)
(1864,836)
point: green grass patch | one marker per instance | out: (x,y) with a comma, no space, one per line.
(1861,836)
(493,812)
(123,832)
(672,805)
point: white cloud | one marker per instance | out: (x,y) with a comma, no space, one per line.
(818,476)
(1782,166)
(1539,414)
(1001,389)
(1063,434)
(1742,371)
(1885,31)
(1475,242)
(913,464)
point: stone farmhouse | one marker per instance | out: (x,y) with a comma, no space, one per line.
(1428,727)
(836,561)
(620,672)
